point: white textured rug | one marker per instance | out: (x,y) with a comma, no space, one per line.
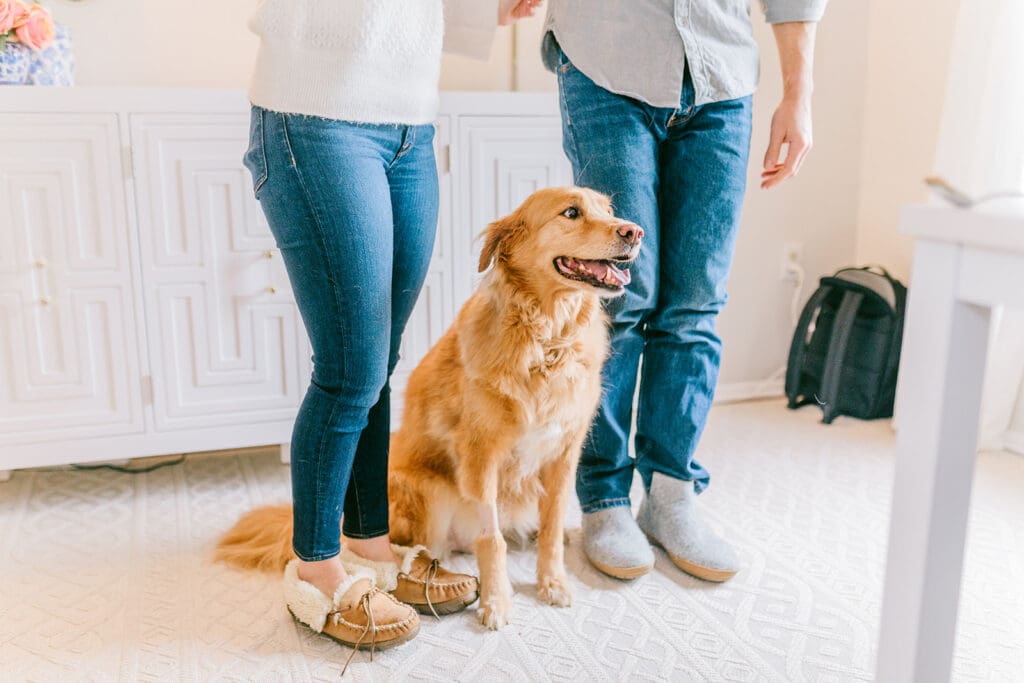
(106,576)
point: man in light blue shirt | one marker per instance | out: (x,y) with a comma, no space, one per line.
(656,113)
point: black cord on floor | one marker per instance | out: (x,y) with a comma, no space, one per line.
(132,470)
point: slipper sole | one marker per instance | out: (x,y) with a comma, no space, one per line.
(379,645)
(625,573)
(448,606)
(697,570)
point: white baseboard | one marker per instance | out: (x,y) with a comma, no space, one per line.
(733,392)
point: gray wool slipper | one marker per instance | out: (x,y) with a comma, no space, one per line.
(615,544)
(671,518)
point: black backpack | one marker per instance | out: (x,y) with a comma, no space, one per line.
(846,347)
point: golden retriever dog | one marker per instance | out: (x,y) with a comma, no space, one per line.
(496,413)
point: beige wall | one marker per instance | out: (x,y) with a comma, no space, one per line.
(817,209)
(908,58)
(158,42)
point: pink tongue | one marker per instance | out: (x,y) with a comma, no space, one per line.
(608,274)
(598,269)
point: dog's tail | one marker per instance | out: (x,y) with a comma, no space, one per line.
(261,539)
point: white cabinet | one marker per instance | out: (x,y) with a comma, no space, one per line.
(223,332)
(69,363)
(502,160)
(144,308)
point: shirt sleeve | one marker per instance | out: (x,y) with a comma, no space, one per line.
(780,11)
(469,27)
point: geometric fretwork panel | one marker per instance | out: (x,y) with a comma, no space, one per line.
(225,337)
(69,357)
(505,160)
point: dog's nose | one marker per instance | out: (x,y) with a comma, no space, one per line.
(630,232)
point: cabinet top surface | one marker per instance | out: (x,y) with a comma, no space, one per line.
(34,99)
(994,228)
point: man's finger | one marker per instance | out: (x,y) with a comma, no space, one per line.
(782,172)
(803,156)
(771,157)
(797,149)
(526,8)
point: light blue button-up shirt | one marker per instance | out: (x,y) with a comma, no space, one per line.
(639,48)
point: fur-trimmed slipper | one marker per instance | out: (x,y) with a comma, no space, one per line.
(420,581)
(358,615)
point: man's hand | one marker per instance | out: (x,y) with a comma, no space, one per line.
(510,11)
(791,124)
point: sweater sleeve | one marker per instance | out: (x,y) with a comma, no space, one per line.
(781,11)
(469,27)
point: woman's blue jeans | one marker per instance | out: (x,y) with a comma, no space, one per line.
(680,174)
(353,208)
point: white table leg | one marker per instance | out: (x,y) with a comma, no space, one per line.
(286,453)
(941,374)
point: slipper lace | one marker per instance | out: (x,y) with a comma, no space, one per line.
(371,625)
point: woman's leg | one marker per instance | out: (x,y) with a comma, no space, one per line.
(412,178)
(327,200)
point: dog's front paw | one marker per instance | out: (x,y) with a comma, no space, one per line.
(555,590)
(495,610)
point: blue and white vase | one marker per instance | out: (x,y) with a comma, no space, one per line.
(15,59)
(56,64)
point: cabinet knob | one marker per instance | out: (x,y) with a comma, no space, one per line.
(269,253)
(41,263)
(44,300)
(271,290)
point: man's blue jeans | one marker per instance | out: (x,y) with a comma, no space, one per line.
(353,208)
(681,175)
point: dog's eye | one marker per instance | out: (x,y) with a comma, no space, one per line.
(571,213)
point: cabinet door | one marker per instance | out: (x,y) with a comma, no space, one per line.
(69,362)
(224,334)
(501,161)
(434,309)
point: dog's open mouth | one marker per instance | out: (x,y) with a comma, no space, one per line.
(607,274)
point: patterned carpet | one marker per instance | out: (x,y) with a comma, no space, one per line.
(106,576)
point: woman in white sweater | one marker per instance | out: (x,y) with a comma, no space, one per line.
(344,95)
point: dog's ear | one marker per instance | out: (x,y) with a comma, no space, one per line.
(493,236)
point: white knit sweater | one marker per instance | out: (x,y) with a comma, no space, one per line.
(372,61)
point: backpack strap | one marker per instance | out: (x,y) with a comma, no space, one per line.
(799,345)
(837,352)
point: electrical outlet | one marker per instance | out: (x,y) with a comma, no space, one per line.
(792,256)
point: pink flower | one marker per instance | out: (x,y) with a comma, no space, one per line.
(12,12)
(36,29)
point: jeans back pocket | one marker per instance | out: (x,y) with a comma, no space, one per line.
(255,158)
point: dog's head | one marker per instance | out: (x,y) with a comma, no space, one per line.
(564,237)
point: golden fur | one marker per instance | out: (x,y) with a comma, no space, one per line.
(496,413)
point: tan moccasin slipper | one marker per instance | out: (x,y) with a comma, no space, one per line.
(359,615)
(420,581)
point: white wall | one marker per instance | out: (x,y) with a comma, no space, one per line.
(200,43)
(818,208)
(908,59)
(154,42)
